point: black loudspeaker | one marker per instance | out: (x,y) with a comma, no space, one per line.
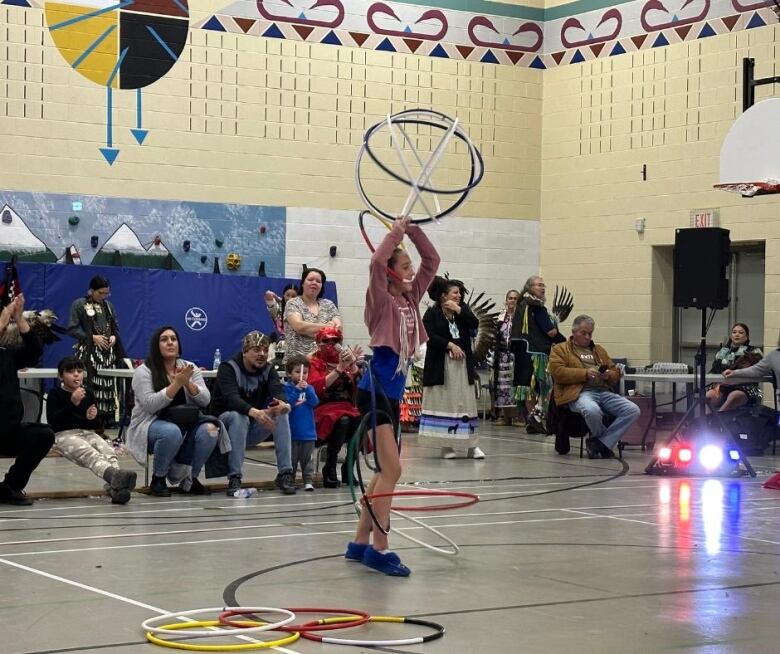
(700,259)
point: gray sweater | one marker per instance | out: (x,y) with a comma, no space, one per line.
(149,403)
(768,366)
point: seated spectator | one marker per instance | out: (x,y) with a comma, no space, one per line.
(766,367)
(251,402)
(584,376)
(73,415)
(303,433)
(167,419)
(306,314)
(736,354)
(28,442)
(333,375)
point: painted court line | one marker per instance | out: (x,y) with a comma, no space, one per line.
(307,534)
(110,595)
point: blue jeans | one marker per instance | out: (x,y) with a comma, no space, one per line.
(244,431)
(593,404)
(165,441)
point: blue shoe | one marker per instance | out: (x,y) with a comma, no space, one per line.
(387,563)
(355,551)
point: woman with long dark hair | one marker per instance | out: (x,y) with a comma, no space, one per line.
(167,420)
(94,325)
(449,404)
(737,353)
(504,389)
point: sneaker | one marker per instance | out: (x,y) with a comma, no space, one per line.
(501,422)
(285,483)
(308,487)
(196,488)
(119,495)
(159,487)
(475,453)
(447,453)
(10,495)
(234,484)
(592,447)
(355,551)
(387,563)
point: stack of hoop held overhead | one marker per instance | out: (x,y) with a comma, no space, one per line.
(223,626)
(417,174)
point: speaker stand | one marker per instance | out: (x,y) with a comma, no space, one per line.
(700,376)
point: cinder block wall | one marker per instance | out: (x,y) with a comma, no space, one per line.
(244,119)
(262,121)
(670,109)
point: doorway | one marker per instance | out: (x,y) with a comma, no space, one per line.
(746,289)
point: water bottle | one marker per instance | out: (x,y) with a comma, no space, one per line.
(244,493)
(217,359)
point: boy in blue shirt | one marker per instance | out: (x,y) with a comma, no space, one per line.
(303,433)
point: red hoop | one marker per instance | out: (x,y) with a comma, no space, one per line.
(472,499)
(360,618)
(750,189)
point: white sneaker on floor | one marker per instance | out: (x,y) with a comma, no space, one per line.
(447,453)
(308,486)
(475,453)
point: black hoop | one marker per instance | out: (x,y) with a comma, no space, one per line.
(476,172)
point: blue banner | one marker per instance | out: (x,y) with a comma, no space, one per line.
(209,311)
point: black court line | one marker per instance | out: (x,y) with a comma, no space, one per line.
(611,598)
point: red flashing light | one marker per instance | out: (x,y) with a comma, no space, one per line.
(685,455)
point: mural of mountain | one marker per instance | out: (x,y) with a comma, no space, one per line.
(16,238)
(124,248)
(158,249)
(123,226)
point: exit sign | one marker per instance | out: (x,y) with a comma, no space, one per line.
(704,218)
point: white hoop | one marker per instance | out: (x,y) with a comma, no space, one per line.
(200,633)
(438,550)
(398,135)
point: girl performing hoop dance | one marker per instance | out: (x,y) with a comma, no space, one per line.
(396,330)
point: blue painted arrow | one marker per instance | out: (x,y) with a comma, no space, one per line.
(109,152)
(139,133)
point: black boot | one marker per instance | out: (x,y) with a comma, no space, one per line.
(342,430)
(329,478)
(159,487)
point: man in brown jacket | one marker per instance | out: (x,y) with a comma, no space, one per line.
(584,376)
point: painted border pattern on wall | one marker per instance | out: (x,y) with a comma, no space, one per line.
(488,38)
(562,37)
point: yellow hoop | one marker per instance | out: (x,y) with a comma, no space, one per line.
(217,648)
(388,224)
